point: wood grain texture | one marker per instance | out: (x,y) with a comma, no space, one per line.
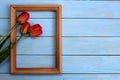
(80,46)
(12,38)
(61,77)
(73,27)
(71,64)
(58,45)
(78,9)
(71,46)
(90,29)
(81,64)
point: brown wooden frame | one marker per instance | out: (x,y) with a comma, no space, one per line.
(58,66)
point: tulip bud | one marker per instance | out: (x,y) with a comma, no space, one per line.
(24,28)
(23,17)
(35,30)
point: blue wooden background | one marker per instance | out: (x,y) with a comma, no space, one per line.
(90,41)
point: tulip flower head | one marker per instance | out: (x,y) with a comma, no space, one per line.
(24,28)
(23,17)
(35,30)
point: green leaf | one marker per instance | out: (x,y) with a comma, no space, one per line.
(5,53)
(1,45)
(8,34)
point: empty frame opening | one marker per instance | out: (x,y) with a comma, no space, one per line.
(41,54)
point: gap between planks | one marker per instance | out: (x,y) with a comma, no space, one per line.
(67,18)
(69,55)
(75,73)
(74,36)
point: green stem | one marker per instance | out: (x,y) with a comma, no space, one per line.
(8,33)
(6,51)
(1,45)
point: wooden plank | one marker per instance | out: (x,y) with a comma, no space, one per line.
(44,45)
(48,26)
(91,46)
(80,46)
(73,64)
(78,9)
(4,26)
(61,77)
(91,27)
(40,14)
(73,27)
(44,62)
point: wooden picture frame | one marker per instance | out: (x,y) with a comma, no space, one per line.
(58,66)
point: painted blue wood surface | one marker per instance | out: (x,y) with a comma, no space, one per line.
(35,61)
(73,27)
(70,46)
(62,77)
(70,64)
(91,36)
(76,64)
(72,9)
(80,46)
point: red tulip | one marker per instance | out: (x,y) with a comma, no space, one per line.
(24,28)
(35,30)
(23,17)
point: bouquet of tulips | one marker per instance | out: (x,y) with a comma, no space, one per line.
(25,29)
